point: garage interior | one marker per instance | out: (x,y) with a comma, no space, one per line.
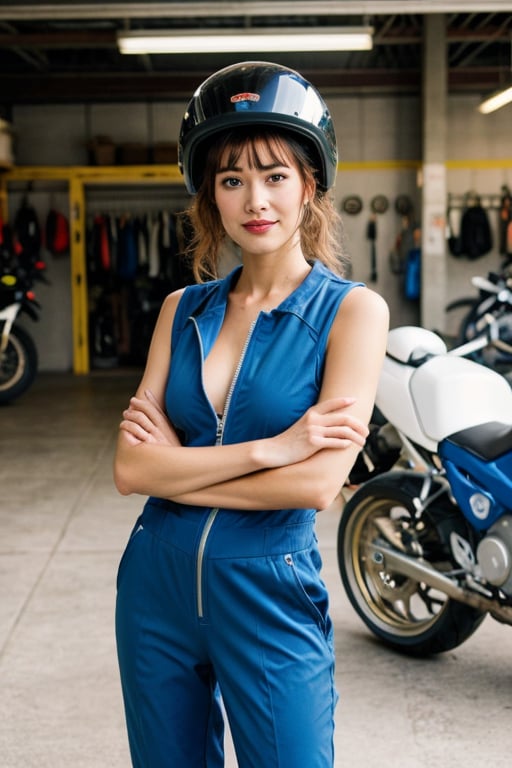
(95,131)
(60,51)
(87,131)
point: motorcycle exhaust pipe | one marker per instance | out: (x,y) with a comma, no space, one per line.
(420,570)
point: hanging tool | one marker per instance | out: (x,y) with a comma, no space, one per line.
(371,234)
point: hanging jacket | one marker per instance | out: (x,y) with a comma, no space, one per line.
(57,233)
(27,228)
(475,232)
(505,226)
(127,255)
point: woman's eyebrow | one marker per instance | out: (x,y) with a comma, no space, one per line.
(226,168)
(237,169)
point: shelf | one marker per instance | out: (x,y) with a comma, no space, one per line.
(78,178)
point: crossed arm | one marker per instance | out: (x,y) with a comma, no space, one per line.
(304,466)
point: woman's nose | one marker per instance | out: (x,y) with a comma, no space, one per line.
(256,199)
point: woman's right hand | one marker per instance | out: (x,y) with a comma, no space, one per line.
(144,421)
(325,425)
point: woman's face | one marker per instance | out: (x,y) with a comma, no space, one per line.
(261,198)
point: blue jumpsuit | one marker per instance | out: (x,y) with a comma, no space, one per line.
(213,599)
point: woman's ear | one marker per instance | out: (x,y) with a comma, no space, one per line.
(309,191)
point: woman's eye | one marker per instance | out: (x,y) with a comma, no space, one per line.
(230,182)
(276,177)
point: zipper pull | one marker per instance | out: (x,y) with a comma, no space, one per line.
(220,430)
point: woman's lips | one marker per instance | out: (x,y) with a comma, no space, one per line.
(258,227)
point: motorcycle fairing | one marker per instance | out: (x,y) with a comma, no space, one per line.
(482,501)
(427,394)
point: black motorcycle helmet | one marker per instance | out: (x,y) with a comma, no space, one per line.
(257,93)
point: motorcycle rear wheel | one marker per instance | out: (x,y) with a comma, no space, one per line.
(409,616)
(18,365)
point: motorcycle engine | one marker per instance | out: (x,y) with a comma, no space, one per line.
(494,554)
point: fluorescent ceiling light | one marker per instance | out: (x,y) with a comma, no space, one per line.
(496,101)
(247,40)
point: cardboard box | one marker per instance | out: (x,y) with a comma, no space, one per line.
(165,153)
(102,151)
(133,153)
(6,153)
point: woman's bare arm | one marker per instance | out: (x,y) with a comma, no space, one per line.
(313,457)
(150,465)
(150,460)
(355,353)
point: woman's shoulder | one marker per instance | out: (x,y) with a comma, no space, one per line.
(363,295)
(196,297)
(327,273)
(192,292)
(365,305)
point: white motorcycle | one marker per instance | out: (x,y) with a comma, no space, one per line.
(18,353)
(425,548)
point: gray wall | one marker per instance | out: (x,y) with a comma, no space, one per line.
(371,132)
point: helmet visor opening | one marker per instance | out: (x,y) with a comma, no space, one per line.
(261,144)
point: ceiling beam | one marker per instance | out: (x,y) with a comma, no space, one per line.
(65,39)
(134,10)
(397,35)
(176,86)
(41,88)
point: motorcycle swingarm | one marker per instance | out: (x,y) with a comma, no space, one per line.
(419,569)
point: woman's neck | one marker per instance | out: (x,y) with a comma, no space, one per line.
(264,279)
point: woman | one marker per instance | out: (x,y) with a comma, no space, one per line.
(250,413)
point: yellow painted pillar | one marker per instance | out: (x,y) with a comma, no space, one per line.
(79,295)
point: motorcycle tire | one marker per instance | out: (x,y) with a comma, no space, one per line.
(18,365)
(489,356)
(467,303)
(405,614)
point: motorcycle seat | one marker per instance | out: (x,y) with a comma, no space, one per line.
(487,441)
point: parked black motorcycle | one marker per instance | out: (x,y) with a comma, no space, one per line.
(494,298)
(18,353)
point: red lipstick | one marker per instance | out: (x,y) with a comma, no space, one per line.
(258,226)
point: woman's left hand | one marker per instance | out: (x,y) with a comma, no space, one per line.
(144,421)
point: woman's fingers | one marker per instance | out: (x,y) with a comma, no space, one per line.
(336,437)
(333,404)
(347,424)
(324,425)
(147,408)
(332,415)
(151,421)
(146,414)
(135,430)
(138,417)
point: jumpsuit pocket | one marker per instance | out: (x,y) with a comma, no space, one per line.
(301,571)
(137,529)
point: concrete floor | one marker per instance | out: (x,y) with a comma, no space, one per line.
(63,529)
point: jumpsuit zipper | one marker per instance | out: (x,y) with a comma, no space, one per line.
(221,421)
